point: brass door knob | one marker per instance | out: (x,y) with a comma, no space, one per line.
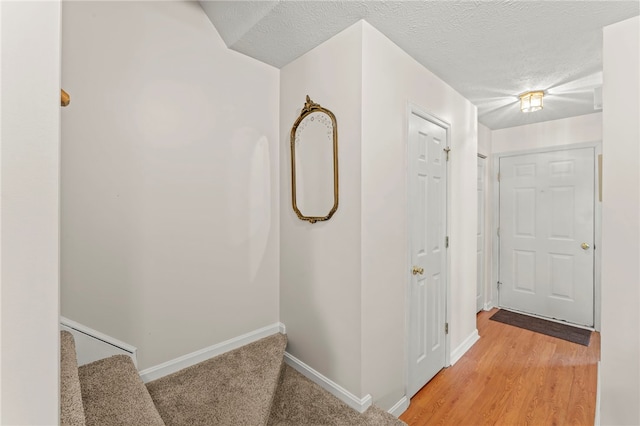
(585,246)
(417,270)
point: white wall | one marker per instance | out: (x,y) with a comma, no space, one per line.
(485,147)
(583,128)
(620,353)
(320,281)
(392,80)
(29,168)
(170,218)
(484,140)
(343,282)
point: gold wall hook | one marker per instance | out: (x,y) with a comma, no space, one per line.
(64,98)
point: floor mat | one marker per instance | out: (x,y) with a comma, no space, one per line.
(550,328)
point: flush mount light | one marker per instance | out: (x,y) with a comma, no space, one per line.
(531,101)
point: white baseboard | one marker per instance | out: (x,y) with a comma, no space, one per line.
(399,407)
(92,345)
(458,352)
(169,367)
(358,404)
(488,306)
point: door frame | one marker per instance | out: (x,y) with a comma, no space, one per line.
(486,229)
(413,109)
(597,219)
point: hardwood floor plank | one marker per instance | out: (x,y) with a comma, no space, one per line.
(512,376)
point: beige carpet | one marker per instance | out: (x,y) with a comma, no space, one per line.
(71,408)
(235,388)
(250,386)
(113,394)
(299,401)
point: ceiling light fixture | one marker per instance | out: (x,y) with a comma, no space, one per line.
(531,101)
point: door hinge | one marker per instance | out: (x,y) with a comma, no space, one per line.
(447,150)
(446,242)
(446,328)
(499,285)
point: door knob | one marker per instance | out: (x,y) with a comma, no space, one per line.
(416,270)
(585,246)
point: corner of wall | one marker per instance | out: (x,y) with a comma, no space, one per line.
(30,211)
(170,186)
(320,273)
(620,350)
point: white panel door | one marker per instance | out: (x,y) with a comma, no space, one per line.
(480,234)
(427,207)
(547,234)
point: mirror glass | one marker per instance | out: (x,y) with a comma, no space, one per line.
(314,164)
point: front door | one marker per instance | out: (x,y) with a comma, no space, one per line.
(547,234)
(428,154)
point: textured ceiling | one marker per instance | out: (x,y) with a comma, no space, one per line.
(489,51)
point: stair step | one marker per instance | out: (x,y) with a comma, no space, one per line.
(299,401)
(113,394)
(235,388)
(71,408)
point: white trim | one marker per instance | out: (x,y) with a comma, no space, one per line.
(543,149)
(97,335)
(358,404)
(92,345)
(495,238)
(597,262)
(488,306)
(486,179)
(399,407)
(458,352)
(177,364)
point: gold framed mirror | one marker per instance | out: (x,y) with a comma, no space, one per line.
(314,163)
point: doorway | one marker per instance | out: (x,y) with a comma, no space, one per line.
(547,233)
(428,151)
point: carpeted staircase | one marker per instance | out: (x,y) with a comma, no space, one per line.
(248,386)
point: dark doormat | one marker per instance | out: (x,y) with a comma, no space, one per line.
(550,328)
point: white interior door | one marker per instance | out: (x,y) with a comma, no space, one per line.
(480,234)
(547,234)
(427,207)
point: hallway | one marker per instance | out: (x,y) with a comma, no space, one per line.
(512,376)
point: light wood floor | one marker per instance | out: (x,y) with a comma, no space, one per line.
(512,376)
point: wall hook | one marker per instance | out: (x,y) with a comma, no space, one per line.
(64,98)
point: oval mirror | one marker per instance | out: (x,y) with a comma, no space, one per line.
(314,163)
